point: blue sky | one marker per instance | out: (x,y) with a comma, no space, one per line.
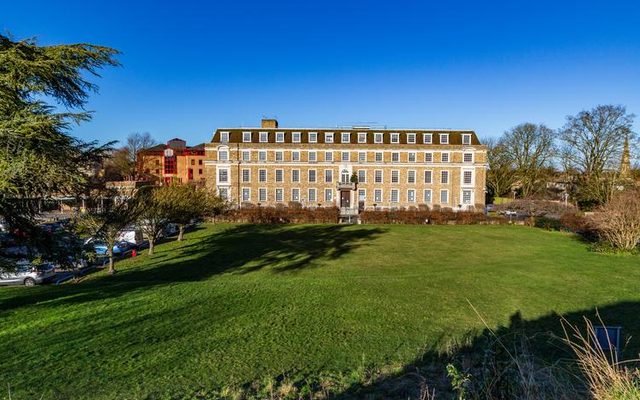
(190,67)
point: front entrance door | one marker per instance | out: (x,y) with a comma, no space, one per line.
(345,198)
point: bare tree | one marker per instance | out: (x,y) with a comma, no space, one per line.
(135,143)
(530,147)
(618,221)
(501,174)
(592,144)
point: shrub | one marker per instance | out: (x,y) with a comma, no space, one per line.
(283,215)
(618,221)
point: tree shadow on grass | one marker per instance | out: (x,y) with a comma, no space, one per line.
(239,249)
(484,353)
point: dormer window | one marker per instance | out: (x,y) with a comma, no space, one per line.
(444,138)
(313,137)
(411,138)
(264,137)
(345,138)
(279,137)
(427,138)
(224,137)
(246,137)
(328,137)
(377,137)
(395,138)
(362,137)
(295,137)
(466,139)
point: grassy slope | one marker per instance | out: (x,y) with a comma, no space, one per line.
(236,303)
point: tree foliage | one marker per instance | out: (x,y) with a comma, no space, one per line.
(189,202)
(38,157)
(501,175)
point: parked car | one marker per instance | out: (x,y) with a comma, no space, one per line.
(26,274)
(118,249)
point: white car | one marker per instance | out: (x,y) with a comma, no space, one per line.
(26,274)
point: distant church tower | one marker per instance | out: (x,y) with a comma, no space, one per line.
(625,162)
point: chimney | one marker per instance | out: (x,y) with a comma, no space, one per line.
(269,123)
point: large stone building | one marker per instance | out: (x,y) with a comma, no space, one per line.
(172,162)
(356,168)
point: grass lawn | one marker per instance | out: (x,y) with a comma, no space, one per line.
(237,303)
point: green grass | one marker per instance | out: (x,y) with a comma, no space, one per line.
(237,303)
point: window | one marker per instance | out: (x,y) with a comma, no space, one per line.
(444,196)
(428,157)
(411,157)
(444,177)
(444,138)
(466,139)
(157,162)
(345,177)
(362,194)
(312,195)
(395,194)
(467,157)
(377,176)
(312,176)
(246,194)
(246,175)
(170,165)
(345,137)
(264,137)
(246,155)
(295,137)
(295,175)
(411,196)
(362,176)
(467,177)
(279,175)
(295,194)
(328,175)
(345,156)
(279,194)
(444,157)
(224,137)
(362,137)
(193,162)
(312,156)
(262,194)
(362,157)
(279,137)
(395,176)
(328,195)
(411,176)
(199,162)
(200,171)
(313,137)
(262,156)
(395,157)
(377,138)
(328,137)
(295,156)
(377,195)
(379,156)
(466,197)
(223,175)
(279,156)
(428,177)
(158,171)
(224,193)
(246,137)
(427,138)
(395,138)
(427,195)
(262,175)
(328,156)
(411,138)
(223,155)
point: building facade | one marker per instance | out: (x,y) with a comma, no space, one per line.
(173,162)
(355,169)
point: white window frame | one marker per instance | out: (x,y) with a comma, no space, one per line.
(280,172)
(328,137)
(330,158)
(411,193)
(362,137)
(248,172)
(427,138)
(279,195)
(394,193)
(313,137)
(362,157)
(381,154)
(328,194)
(378,137)
(409,174)
(411,138)
(378,195)
(464,155)
(427,196)
(279,137)
(315,176)
(264,137)
(469,171)
(444,138)
(442,157)
(446,193)
(362,178)
(470,197)
(224,137)
(375,176)
(445,173)
(262,191)
(246,155)
(396,155)
(315,156)
(395,138)
(226,171)
(466,139)
(428,157)
(246,137)
(429,173)
(411,156)
(347,158)
(260,156)
(296,137)
(395,172)
(224,152)
(345,137)
(329,173)
(295,173)
(279,156)
(311,198)
(295,156)
(293,194)
(248,197)
(266,175)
